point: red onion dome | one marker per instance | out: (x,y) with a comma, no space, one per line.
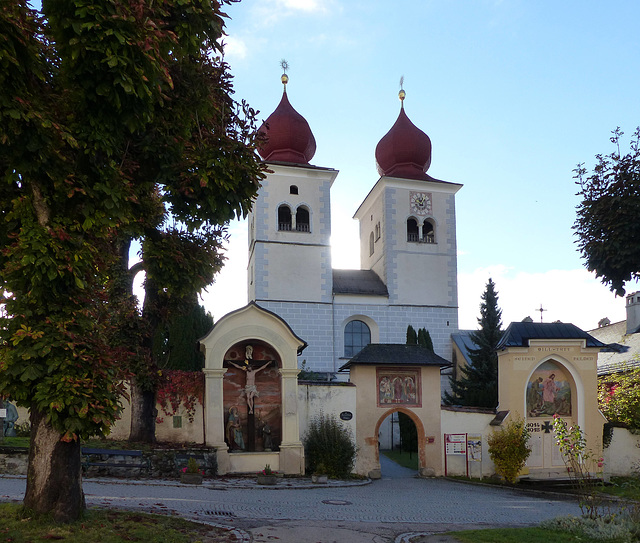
(404,151)
(289,137)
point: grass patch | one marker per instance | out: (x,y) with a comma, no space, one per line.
(103,526)
(15,442)
(403,458)
(623,487)
(520,535)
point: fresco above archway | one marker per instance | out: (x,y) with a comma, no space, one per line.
(549,391)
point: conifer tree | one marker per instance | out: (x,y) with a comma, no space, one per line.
(424,339)
(412,337)
(477,385)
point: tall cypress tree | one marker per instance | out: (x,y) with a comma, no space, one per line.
(176,348)
(477,385)
(424,339)
(412,337)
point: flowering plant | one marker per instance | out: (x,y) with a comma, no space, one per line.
(267,471)
(580,462)
(192,467)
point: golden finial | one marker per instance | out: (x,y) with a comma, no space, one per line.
(284,78)
(402,94)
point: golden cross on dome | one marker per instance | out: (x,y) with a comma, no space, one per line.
(402,94)
(285,78)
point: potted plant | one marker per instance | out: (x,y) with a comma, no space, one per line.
(267,476)
(191,474)
(319,475)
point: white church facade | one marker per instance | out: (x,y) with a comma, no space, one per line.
(408,261)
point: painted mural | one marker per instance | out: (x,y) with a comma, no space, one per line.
(398,387)
(549,391)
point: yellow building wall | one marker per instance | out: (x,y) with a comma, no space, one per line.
(516,366)
(370,417)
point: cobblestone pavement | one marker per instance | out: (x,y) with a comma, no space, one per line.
(400,509)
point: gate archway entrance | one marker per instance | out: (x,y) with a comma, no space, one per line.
(399,444)
(397,379)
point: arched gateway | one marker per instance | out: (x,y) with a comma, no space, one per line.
(390,378)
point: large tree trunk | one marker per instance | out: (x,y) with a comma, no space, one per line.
(54,476)
(143,414)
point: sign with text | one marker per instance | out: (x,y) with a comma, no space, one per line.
(455,443)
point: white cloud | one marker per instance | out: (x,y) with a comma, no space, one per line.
(567,295)
(303,5)
(234,48)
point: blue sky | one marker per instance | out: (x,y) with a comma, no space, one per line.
(513,94)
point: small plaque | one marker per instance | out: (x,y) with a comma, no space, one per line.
(346,415)
(431,439)
(3,413)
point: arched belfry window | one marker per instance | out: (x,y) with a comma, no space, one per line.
(428,232)
(412,230)
(284,217)
(356,337)
(293,189)
(302,219)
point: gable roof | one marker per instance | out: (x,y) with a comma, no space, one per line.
(518,334)
(358,282)
(622,352)
(462,340)
(396,354)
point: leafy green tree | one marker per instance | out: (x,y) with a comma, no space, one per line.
(412,337)
(477,385)
(608,217)
(116,122)
(619,397)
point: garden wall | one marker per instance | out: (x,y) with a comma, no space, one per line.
(461,420)
(330,398)
(622,456)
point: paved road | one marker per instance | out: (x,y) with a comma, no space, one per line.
(381,511)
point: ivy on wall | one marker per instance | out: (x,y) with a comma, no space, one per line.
(180,388)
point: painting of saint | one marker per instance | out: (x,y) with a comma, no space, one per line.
(398,386)
(548,392)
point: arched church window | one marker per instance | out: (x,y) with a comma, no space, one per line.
(428,233)
(284,217)
(302,219)
(356,337)
(293,189)
(371,244)
(412,230)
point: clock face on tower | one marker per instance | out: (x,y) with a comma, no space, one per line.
(420,203)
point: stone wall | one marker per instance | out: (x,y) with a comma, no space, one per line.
(13,460)
(158,464)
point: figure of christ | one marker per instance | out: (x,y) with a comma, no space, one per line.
(250,388)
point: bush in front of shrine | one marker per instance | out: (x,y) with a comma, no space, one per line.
(328,444)
(508,448)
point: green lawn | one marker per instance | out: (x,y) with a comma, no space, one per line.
(101,526)
(623,487)
(521,535)
(405,459)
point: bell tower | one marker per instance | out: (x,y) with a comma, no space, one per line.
(407,224)
(290,226)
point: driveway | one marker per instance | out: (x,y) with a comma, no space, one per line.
(391,509)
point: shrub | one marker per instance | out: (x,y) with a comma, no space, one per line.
(508,449)
(329,443)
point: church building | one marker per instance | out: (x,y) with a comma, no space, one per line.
(408,261)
